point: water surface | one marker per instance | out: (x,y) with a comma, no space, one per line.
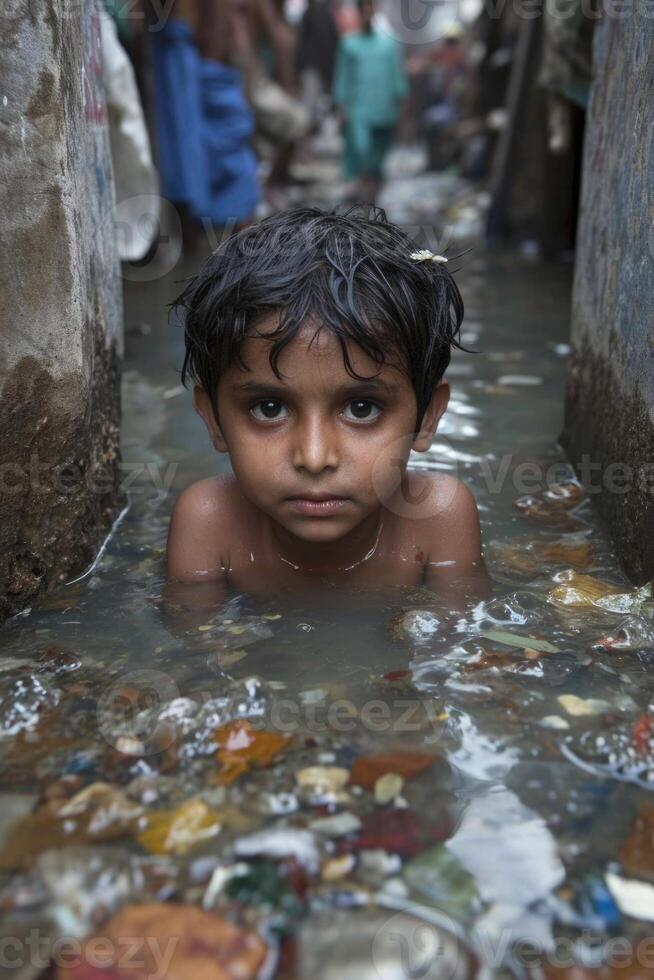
(542,756)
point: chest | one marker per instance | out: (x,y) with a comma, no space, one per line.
(258,572)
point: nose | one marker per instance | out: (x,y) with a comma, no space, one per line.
(315,446)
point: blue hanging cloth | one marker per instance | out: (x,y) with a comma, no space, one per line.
(204,127)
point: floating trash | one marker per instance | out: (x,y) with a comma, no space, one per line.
(529,557)
(169,940)
(582,708)
(369,769)
(388,788)
(419,625)
(177,831)
(23,702)
(634,633)
(339,825)
(634,898)
(242,747)
(281,842)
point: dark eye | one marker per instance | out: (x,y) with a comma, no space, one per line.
(362,410)
(268,410)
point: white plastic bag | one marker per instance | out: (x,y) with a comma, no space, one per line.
(135,176)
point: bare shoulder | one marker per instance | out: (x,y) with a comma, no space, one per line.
(447,518)
(200,528)
(455,500)
(454,564)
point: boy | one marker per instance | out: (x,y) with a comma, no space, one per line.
(317,343)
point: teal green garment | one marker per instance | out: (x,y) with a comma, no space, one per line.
(369,85)
(370,80)
(118,9)
(267,56)
(366,148)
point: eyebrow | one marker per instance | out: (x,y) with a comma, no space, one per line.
(367,385)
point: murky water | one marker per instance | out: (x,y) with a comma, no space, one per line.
(539,737)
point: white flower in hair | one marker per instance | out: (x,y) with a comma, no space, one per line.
(424,255)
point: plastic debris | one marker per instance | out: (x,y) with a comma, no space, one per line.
(634,898)
(322,780)
(230,658)
(181,713)
(169,941)
(220,878)
(23,702)
(488,661)
(279,804)
(525,867)
(375,865)
(597,906)
(339,825)
(419,625)
(281,842)
(552,507)
(439,877)
(83,885)
(177,831)
(99,812)
(368,769)
(388,788)
(581,591)
(632,634)
(337,868)
(56,661)
(636,601)
(555,722)
(242,747)
(393,830)
(582,707)
(529,557)
(269,886)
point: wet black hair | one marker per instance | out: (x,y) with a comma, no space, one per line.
(348,271)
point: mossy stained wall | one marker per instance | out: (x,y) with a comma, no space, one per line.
(60,304)
(610,402)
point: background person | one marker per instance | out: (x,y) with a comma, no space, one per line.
(370,85)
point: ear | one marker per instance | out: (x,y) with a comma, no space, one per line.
(202,405)
(432,417)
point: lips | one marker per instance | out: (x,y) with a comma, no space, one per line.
(317,505)
(317,498)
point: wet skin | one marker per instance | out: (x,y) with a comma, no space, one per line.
(321,492)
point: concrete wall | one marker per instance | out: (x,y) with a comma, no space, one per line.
(60,304)
(610,403)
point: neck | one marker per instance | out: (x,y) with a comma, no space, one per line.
(329,556)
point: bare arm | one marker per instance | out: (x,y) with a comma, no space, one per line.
(197,558)
(455,566)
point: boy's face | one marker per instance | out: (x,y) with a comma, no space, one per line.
(317,451)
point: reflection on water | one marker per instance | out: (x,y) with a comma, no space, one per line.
(486,764)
